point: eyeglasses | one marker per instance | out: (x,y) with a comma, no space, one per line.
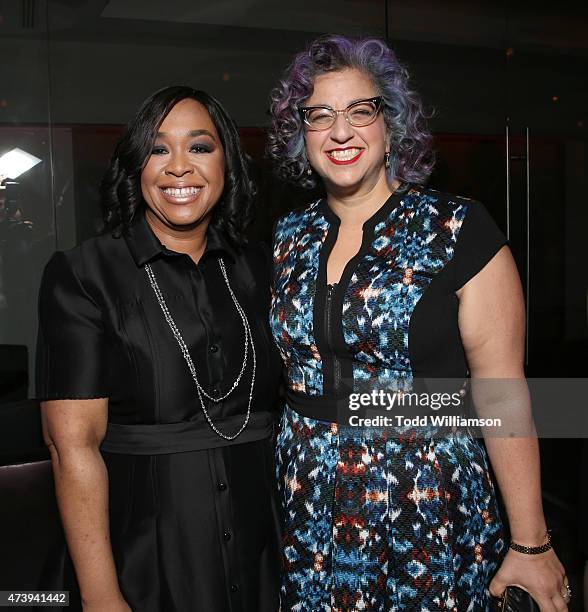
(358,114)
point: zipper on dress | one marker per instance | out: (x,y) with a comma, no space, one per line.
(329,331)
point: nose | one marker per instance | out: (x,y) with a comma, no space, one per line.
(178,165)
(341,131)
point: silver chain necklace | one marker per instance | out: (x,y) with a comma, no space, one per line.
(186,353)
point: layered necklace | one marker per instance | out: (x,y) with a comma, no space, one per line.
(248,342)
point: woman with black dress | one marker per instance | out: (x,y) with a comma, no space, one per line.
(158,377)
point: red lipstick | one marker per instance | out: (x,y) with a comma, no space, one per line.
(344,162)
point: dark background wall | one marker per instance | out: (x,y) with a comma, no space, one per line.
(506,81)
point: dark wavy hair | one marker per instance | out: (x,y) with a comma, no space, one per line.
(411,155)
(121,185)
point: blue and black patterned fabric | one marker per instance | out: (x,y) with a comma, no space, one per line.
(375,521)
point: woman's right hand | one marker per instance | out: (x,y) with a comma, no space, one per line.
(117,604)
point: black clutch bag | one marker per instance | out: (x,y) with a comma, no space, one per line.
(514,599)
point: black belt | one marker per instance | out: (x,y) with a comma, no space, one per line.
(336,409)
(167,438)
(318,407)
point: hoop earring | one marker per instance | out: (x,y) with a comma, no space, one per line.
(387,160)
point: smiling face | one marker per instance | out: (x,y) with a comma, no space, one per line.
(184,176)
(350,160)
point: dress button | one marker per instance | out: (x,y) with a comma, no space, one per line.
(222,486)
(215,392)
(213,348)
(234,588)
(227,536)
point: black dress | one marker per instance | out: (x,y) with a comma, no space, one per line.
(193,517)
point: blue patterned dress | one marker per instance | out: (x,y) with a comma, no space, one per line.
(374,521)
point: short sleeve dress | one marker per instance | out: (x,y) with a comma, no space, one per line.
(193,517)
(372,521)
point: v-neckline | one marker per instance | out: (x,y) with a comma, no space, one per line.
(379,215)
(393,201)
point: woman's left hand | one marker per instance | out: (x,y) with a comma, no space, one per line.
(542,575)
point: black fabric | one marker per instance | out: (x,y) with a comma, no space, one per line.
(435,346)
(193,530)
(165,438)
(478,241)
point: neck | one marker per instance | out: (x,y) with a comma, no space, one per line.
(355,208)
(190,240)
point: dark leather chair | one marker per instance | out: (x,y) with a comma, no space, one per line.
(33,547)
(14,376)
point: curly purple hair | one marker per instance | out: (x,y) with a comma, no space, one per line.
(411,157)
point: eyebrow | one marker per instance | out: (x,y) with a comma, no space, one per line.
(350,103)
(191,134)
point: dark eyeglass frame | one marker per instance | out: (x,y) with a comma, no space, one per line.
(305,110)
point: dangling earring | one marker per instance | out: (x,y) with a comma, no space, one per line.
(309,171)
(387,160)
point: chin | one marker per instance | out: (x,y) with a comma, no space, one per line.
(184,218)
(187,221)
(343,182)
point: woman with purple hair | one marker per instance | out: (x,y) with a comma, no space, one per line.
(379,285)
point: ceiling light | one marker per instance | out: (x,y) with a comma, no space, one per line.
(16,162)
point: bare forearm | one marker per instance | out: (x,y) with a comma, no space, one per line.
(81,483)
(514,452)
(516,466)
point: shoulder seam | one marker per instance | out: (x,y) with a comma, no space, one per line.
(76,275)
(302,210)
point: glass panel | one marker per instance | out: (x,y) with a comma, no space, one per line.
(457,64)
(548,92)
(549,97)
(27,228)
(107,57)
